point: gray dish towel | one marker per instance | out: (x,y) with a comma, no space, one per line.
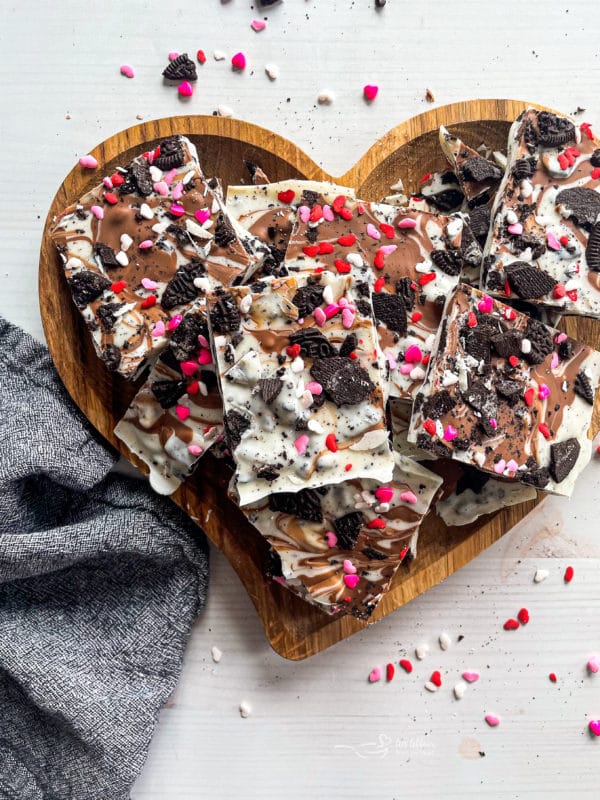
(100,582)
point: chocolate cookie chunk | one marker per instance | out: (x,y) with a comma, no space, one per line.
(111,357)
(553,130)
(580,204)
(479,169)
(391,311)
(312,343)
(107,315)
(184,339)
(106,256)
(181,289)
(140,171)
(595,158)
(563,457)
(348,345)
(181,68)
(449,261)
(235,425)
(507,343)
(307,298)
(168,392)
(446,200)
(438,404)
(344,382)
(592,251)
(528,281)
(523,169)
(583,387)
(405,290)
(87,286)
(269,389)
(305,504)
(479,222)
(225,316)
(171,154)
(224,232)
(347,529)
(541,342)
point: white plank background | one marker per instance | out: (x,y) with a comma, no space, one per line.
(317,729)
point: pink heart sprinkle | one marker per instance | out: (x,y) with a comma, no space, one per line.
(512,465)
(388,249)
(258,25)
(185,89)
(347,318)
(331,310)
(516,229)
(127,70)
(195,450)
(372,231)
(405,369)
(500,466)
(203,341)
(146,245)
(170,176)
(161,188)
(543,391)
(175,322)
(385,494)
(205,357)
(408,497)
(177,192)
(471,676)
(492,720)
(552,241)
(314,388)
(188,367)
(370,92)
(413,355)
(149,284)
(202,215)
(177,210)
(375,675)
(450,433)
(555,361)
(89,162)
(351,581)
(486,306)
(182,412)
(301,444)
(349,567)
(407,223)
(331,538)
(238,61)
(97,211)
(328,214)
(320,317)
(561,337)
(593,664)
(304,213)
(158,329)
(595,726)
(493,422)
(106,181)
(173,55)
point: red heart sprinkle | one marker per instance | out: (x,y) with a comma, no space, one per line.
(553,677)
(427,278)
(430,427)
(111,198)
(511,625)
(331,443)
(286,197)
(416,316)
(316,213)
(201,56)
(387,230)
(193,387)
(390,671)
(523,616)
(559,291)
(149,301)
(472,320)
(118,286)
(345,213)
(572,295)
(379,260)
(311,250)
(342,266)
(377,523)
(325,248)
(529,395)
(293,350)
(436,678)
(117,179)
(569,572)
(544,430)
(339,203)
(406,665)
(379,284)
(596,173)
(513,361)
(347,240)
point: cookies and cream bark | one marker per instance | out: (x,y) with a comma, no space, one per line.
(142,247)
(267,211)
(339,547)
(415,257)
(477,176)
(544,245)
(507,394)
(300,379)
(177,414)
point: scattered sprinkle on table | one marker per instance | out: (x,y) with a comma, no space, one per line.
(238,62)
(216,654)
(258,25)
(127,70)
(540,575)
(459,690)
(89,162)
(444,640)
(569,573)
(492,720)
(375,675)
(272,71)
(370,92)
(245,709)
(326,97)
(421,651)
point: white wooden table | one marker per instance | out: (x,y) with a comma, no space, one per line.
(318,729)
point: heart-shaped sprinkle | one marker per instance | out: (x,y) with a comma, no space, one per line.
(370,92)
(523,616)
(450,433)
(351,581)
(552,241)
(185,89)
(118,286)
(202,215)
(127,70)
(492,720)
(568,576)
(182,412)
(286,197)
(406,665)
(195,450)
(331,538)
(421,651)
(89,162)
(146,245)
(161,188)
(486,306)
(328,214)
(188,367)
(444,640)
(375,675)
(593,664)
(390,671)
(238,61)
(471,676)
(511,625)
(373,232)
(158,329)
(205,357)
(436,678)
(413,354)
(173,55)
(407,223)
(177,192)
(175,322)
(176,210)
(459,690)
(384,494)
(540,575)
(595,727)
(500,466)
(388,249)
(408,497)
(149,284)
(349,567)
(516,229)
(304,214)
(97,211)
(431,687)
(258,25)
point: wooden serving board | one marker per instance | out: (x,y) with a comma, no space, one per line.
(294,629)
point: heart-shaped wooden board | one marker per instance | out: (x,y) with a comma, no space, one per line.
(294,629)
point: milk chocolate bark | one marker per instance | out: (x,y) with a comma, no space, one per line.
(544,246)
(471,499)
(507,394)
(142,247)
(177,414)
(300,380)
(415,257)
(339,547)
(268,211)
(477,176)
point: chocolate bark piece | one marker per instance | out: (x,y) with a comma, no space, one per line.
(325,421)
(515,412)
(174,419)
(150,243)
(310,553)
(478,177)
(544,214)
(414,257)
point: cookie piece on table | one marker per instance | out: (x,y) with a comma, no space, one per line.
(177,414)
(339,547)
(507,394)
(544,246)
(143,247)
(300,379)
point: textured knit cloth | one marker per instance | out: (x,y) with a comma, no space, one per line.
(100,582)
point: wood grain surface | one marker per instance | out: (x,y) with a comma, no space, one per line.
(294,629)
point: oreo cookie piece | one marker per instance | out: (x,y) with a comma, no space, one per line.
(592,250)
(582,205)
(565,349)
(449,261)
(224,315)
(477,342)
(479,169)
(269,389)
(528,281)
(446,200)
(111,356)
(224,232)
(528,241)
(507,343)
(563,457)
(404,289)
(583,387)
(348,345)
(181,289)
(184,339)
(479,222)
(391,311)
(181,68)
(541,342)
(107,315)
(313,343)
(438,404)
(535,476)
(106,256)
(595,158)
(523,169)
(509,390)
(344,382)
(171,154)
(268,473)
(480,398)
(140,171)
(347,529)
(553,130)
(373,555)
(168,393)
(307,298)
(235,425)
(87,286)
(305,504)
